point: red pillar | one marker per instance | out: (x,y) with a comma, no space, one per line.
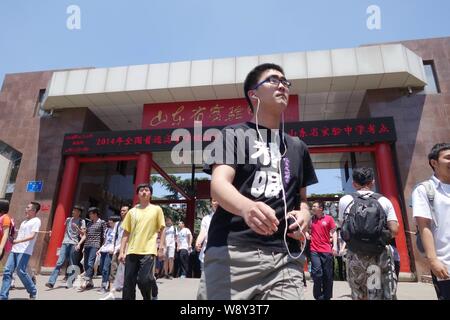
(144,166)
(63,209)
(388,186)
(190,214)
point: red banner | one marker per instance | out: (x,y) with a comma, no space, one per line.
(211,112)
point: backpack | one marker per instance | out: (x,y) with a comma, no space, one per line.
(365,225)
(11,235)
(430,195)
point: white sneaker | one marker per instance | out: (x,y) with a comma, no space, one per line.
(109,296)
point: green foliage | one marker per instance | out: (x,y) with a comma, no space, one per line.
(202,207)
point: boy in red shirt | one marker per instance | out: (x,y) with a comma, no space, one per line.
(322,253)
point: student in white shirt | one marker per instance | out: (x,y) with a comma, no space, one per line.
(22,251)
(434,228)
(116,275)
(171,234)
(370,273)
(184,245)
(106,251)
(202,239)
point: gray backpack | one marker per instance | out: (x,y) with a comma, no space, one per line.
(430,195)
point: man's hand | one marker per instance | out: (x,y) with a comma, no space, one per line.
(77,247)
(260,218)
(438,268)
(122,257)
(302,219)
(198,247)
(335,251)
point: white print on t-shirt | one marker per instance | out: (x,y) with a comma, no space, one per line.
(170,236)
(183,238)
(267,181)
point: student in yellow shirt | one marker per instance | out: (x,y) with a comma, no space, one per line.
(138,248)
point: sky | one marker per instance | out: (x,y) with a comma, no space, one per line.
(330,181)
(51,34)
(34,34)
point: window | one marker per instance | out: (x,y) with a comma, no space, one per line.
(432,86)
(9,168)
(39,111)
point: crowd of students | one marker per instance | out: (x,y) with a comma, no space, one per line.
(251,245)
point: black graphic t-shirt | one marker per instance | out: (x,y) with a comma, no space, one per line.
(260,165)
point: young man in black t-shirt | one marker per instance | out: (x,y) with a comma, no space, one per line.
(249,255)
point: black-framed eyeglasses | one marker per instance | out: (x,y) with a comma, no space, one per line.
(275,81)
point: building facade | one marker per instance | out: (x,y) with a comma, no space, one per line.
(90,135)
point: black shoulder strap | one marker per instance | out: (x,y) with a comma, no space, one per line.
(376,196)
(346,211)
(356,195)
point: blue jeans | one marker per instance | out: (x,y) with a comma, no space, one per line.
(65,253)
(19,261)
(89,260)
(106,263)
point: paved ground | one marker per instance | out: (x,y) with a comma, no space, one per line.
(186,289)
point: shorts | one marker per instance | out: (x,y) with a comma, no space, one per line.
(170,252)
(250,274)
(372,277)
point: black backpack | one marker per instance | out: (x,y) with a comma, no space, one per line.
(365,225)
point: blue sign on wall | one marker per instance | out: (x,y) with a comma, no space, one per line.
(34,186)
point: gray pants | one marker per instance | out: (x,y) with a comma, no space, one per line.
(239,273)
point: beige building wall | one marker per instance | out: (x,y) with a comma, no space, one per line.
(5,171)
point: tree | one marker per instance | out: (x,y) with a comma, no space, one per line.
(202,207)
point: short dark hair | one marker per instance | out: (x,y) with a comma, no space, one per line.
(94,210)
(128,205)
(36,206)
(321,204)
(4,206)
(79,208)
(115,218)
(253,77)
(144,185)
(436,150)
(363,176)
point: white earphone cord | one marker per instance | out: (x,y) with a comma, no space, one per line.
(286,216)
